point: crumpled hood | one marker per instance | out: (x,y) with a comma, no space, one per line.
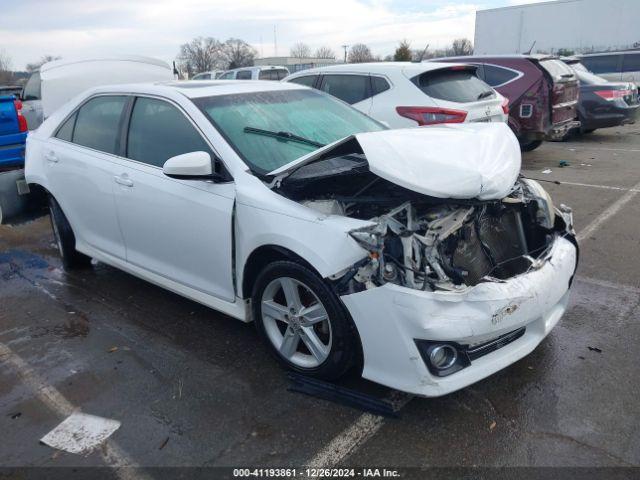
(471,160)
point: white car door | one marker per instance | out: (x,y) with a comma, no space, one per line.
(80,167)
(179,229)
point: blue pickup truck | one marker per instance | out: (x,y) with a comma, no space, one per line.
(13,133)
(14,192)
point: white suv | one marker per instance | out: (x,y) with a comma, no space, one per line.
(404,94)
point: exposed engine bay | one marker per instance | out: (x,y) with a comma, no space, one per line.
(429,243)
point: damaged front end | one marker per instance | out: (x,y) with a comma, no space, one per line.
(454,245)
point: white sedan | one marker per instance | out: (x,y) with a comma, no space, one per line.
(418,256)
(408,94)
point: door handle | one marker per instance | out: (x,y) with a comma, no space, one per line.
(51,157)
(123,181)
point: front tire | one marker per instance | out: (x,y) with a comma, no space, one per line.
(65,239)
(302,321)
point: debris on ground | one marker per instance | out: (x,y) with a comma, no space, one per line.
(15,415)
(546,171)
(595,349)
(112,349)
(164,443)
(563,163)
(581,357)
(492,426)
(80,433)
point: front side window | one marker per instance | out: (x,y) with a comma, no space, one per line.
(348,88)
(495,76)
(202,76)
(97,123)
(32,88)
(226,76)
(308,114)
(602,63)
(243,75)
(307,80)
(159,131)
(454,85)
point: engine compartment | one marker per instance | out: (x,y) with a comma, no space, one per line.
(430,243)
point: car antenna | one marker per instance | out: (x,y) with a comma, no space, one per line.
(422,54)
(532,45)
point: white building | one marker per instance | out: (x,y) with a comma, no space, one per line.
(579,25)
(295,64)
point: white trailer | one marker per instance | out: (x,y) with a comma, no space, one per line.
(579,25)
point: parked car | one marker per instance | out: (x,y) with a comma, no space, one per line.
(212,75)
(256,73)
(614,66)
(59,81)
(13,132)
(418,254)
(542,92)
(11,90)
(605,104)
(405,94)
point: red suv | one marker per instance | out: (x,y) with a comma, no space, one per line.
(542,91)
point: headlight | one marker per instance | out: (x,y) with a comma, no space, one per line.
(546,214)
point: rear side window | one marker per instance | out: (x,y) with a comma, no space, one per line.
(65,132)
(273,74)
(202,76)
(495,76)
(631,62)
(348,88)
(32,88)
(97,123)
(243,75)
(307,81)
(159,131)
(379,85)
(602,63)
(460,86)
(557,69)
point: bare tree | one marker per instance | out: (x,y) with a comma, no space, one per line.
(201,54)
(325,52)
(32,67)
(238,53)
(300,50)
(6,75)
(462,46)
(403,52)
(360,53)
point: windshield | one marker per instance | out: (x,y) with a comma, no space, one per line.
(557,69)
(314,117)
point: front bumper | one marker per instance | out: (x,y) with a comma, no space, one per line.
(391,317)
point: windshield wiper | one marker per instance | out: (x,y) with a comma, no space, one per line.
(285,136)
(486,94)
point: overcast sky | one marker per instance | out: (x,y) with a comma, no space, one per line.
(30,29)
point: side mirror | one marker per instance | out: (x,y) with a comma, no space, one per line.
(190,166)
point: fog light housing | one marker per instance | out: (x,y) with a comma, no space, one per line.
(442,358)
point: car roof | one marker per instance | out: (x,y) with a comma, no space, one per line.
(106,58)
(408,68)
(203,88)
(475,58)
(257,67)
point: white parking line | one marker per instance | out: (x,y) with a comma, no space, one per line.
(608,213)
(603,187)
(112,454)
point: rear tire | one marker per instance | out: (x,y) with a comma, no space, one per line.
(324,349)
(530,146)
(65,239)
